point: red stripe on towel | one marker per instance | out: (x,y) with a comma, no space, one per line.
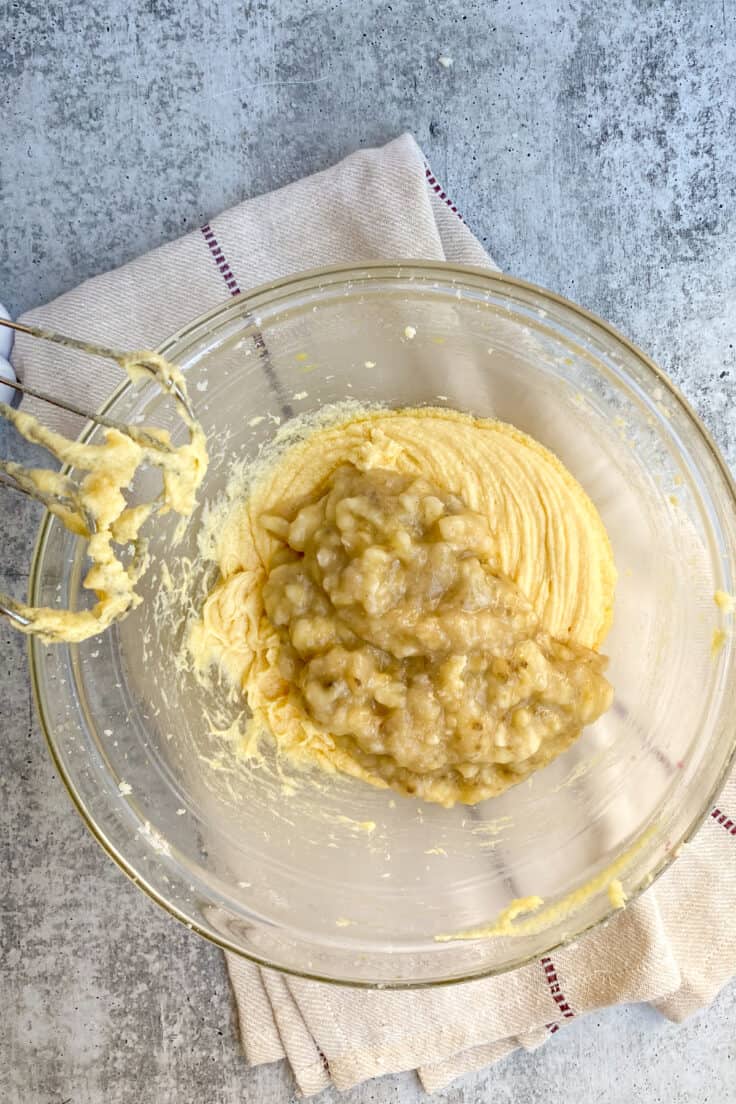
(219,258)
(437,189)
(555,990)
(725,821)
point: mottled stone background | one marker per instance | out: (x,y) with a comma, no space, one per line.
(591,147)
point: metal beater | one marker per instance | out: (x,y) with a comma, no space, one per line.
(13,476)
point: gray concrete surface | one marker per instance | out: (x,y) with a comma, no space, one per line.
(591,147)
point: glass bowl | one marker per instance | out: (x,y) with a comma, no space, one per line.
(331,878)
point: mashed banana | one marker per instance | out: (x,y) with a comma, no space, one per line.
(415,598)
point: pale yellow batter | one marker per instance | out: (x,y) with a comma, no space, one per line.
(415,598)
(530,915)
(96,507)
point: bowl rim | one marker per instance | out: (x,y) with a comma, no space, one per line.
(392,268)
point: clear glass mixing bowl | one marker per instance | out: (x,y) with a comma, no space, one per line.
(287,870)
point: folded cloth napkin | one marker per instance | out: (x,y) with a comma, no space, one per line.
(676,945)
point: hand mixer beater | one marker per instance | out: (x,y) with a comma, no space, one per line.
(94,506)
